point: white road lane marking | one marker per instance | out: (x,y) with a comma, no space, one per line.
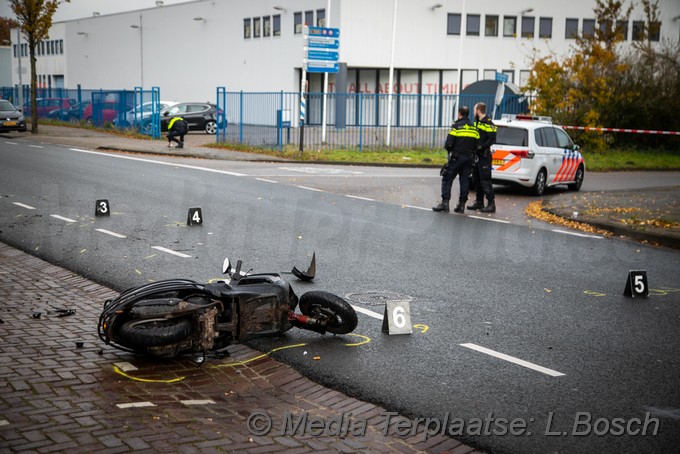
(310,189)
(368,312)
(197,402)
(501,221)
(170,251)
(35,146)
(108,232)
(359,198)
(266,181)
(171,164)
(4,422)
(11,143)
(417,208)
(512,359)
(135,405)
(28,207)
(62,218)
(582,235)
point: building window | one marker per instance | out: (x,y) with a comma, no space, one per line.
(61,46)
(256,27)
(524,77)
(638,30)
(622,29)
(42,48)
(509,26)
(491,26)
(654,31)
(14,49)
(472,25)
(571,29)
(453,24)
(277,25)
(297,23)
(528,26)
(266,26)
(545,27)
(511,75)
(309,18)
(246,28)
(320,17)
(489,74)
(588,28)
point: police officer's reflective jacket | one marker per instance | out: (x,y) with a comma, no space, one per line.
(487,134)
(178,123)
(462,139)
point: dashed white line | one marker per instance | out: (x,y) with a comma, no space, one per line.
(62,218)
(108,232)
(4,422)
(11,143)
(28,207)
(135,405)
(512,359)
(35,146)
(197,402)
(170,251)
(266,181)
(359,198)
(368,312)
(310,189)
(582,235)
(501,221)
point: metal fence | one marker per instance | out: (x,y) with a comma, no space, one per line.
(124,109)
(272,119)
(353,121)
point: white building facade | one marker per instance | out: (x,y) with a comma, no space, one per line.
(190,49)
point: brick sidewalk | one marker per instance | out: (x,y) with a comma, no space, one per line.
(58,397)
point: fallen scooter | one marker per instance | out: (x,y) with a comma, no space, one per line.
(179,316)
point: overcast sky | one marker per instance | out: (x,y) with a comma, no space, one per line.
(77,9)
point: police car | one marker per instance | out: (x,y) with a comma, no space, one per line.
(532,152)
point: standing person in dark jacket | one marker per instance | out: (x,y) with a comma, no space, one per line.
(481,175)
(461,143)
(177,128)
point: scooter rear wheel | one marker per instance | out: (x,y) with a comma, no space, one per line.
(154,332)
(344,318)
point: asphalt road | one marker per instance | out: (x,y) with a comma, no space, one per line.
(477,288)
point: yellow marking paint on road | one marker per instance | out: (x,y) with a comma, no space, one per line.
(423,328)
(117,370)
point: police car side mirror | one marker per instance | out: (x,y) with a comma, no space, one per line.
(576,147)
(165,114)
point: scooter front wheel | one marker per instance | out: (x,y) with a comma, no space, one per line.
(343,318)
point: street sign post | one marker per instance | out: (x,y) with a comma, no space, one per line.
(321,50)
(500,77)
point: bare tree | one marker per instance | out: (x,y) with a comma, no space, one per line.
(35,21)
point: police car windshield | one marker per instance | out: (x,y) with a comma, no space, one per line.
(512,136)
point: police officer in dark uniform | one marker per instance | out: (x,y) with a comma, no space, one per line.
(481,175)
(461,143)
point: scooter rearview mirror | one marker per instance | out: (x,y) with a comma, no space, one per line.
(226,266)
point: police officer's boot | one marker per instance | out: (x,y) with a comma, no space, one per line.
(478,205)
(490,208)
(442,207)
(460,208)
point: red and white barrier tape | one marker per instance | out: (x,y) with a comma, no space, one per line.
(634,131)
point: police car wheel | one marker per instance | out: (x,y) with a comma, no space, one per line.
(578,179)
(539,185)
(210,127)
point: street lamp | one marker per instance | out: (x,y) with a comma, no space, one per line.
(525,11)
(280,8)
(198,19)
(82,34)
(141,49)
(434,7)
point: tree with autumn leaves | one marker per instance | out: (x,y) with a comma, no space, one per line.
(35,21)
(606,82)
